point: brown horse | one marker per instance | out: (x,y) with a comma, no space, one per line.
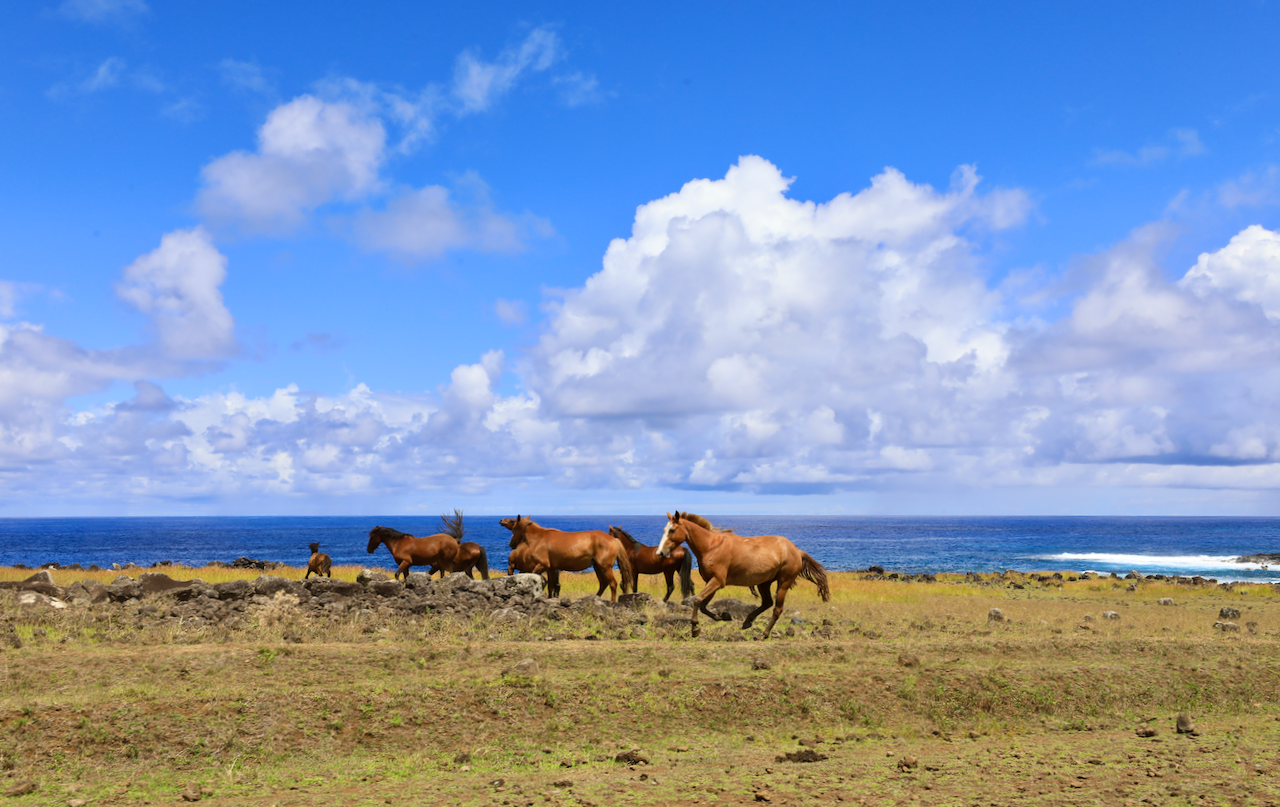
(728,559)
(438,551)
(320,563)
(546,549)
(646,560)
(471,556)
(521,560)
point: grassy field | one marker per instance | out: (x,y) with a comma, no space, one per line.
(907,690)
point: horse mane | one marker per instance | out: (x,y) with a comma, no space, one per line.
(627,534)
(393,532)
(453,526)
(702,522)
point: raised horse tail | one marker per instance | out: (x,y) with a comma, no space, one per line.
(482,563)
(624,566)
(686,574)
(814,573)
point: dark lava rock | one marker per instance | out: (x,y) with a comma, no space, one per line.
(157,583)
(268,585)
(803,755)
(234,590)
(1228,612)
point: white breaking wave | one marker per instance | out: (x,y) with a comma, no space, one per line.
(1227,563)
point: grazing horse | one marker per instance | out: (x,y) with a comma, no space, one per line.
(320,563)
(435,551)
(728,559)
(646,560)
(542,550)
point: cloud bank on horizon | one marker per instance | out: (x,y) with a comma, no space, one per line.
(739,340)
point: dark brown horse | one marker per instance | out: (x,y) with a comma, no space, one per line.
(438,551)
(320,563)
(545,549)
(646,560)
(728,559)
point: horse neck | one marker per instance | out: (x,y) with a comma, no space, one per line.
(699,538)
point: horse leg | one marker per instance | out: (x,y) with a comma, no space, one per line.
(712,587)
(766,602)
(604,574)
(403,569)
(783,587)
(670,574)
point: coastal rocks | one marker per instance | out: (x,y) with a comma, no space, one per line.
(367,576)
(124,588)
(234,590)
(34,599)
(269,585)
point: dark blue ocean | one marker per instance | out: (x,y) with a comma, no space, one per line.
(1185,546)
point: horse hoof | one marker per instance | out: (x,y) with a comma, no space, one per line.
(695,632)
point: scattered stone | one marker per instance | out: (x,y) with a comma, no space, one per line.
(995,615)
(1088,618)
(77,803)
(908,660)
(21,788)
(1228,612)
(1165,601)
(1147,732)
(563,783)
(1226,627)
(875,569)
(759,664)
(764,795)
(908,763)
(462,758)
(632,757)
(191,794)
(1110,615)
(803,755)
(367,576)
(1186,725)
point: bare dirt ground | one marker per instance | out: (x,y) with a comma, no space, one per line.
(897,693)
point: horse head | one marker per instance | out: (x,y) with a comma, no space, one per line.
(315,546)
(673,534)
(517,528)
(379,534)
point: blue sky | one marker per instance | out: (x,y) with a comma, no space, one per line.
(834,258)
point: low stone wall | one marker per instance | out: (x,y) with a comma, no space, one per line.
(501,599)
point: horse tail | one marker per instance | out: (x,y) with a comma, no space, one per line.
(482,563)
(814,573)
(624,566)
(686,574)
(453,526)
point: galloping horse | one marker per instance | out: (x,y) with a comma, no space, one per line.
(542,550)
(728,559)
(435,551)
(646,560)
(320,563)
